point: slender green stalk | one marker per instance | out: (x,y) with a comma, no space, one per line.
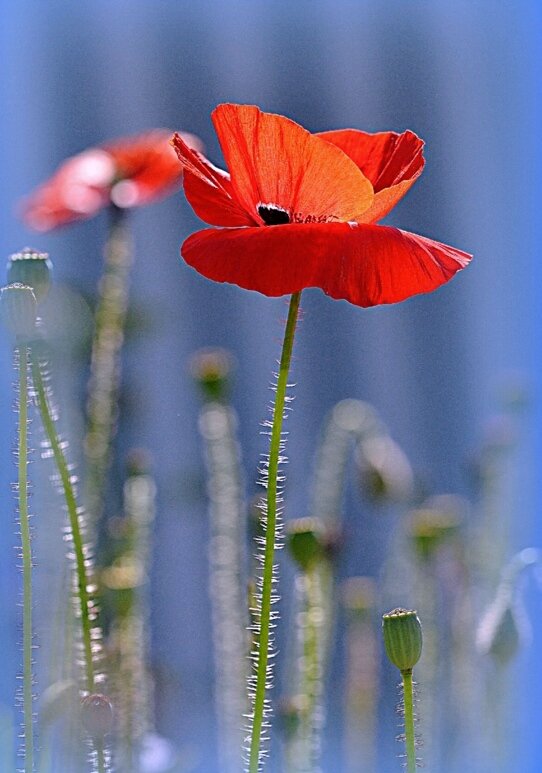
(73,516)
(311,676)
(24,519)
(85,601)
(410,738)
(110,318)
(264,618)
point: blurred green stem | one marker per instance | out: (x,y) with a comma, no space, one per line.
(110,318)
(83,593)
(410,738)
(263,634)
(24,520)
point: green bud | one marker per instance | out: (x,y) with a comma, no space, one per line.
(402,638)
(305,542)
(211,369)
(385,473)
(500,631)
(18,311)
(31,268)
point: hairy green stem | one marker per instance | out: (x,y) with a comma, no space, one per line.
(73,517)
(110,318)
(410,738)
(24,519)
(263,634)
(82,578)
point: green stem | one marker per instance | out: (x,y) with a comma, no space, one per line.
(110,318)
(73,517)
(410,739)
(27,560)
(263,635)
(310,687)
(83,592)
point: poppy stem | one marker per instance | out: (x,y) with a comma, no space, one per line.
(263,613)
(410,738)
(86,607)
(24,519)
(109,322)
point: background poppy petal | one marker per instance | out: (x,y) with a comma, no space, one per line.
(391,161)
(364,264)
(209,189)
(273,160)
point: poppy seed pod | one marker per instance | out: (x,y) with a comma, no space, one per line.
(402,638)
(18,311)
(97,715)
(304,540)
(32,268)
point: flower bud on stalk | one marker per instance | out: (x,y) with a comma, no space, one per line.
(403,641)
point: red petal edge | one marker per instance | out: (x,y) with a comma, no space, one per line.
(364,264)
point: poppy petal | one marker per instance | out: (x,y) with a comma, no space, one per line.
(364,264)
(209,189)
(391,161)
(274,161)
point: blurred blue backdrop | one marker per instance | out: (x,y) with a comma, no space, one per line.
(466,77)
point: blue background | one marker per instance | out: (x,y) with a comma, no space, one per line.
(466,77)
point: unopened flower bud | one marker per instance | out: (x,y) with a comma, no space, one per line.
(500,631)
(211,369)
(18,311)
(402,638)
(31,268)
(97,715)
(385,473)
(305,542)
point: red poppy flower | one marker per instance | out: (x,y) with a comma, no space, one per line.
(128,172)
(323,195)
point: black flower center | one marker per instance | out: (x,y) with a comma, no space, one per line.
(272,215)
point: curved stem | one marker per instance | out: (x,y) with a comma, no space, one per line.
(410,739)
(263,634)
(27,560)
(74,514)
(73,517)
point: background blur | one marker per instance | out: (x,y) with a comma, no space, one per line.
(466,77)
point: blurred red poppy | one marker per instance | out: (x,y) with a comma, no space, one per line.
(127,172)
(323,194)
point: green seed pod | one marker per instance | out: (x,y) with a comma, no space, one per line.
(305,542)
(211,369)
(97,715)
(18,311)
(31,268)
(402,638)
